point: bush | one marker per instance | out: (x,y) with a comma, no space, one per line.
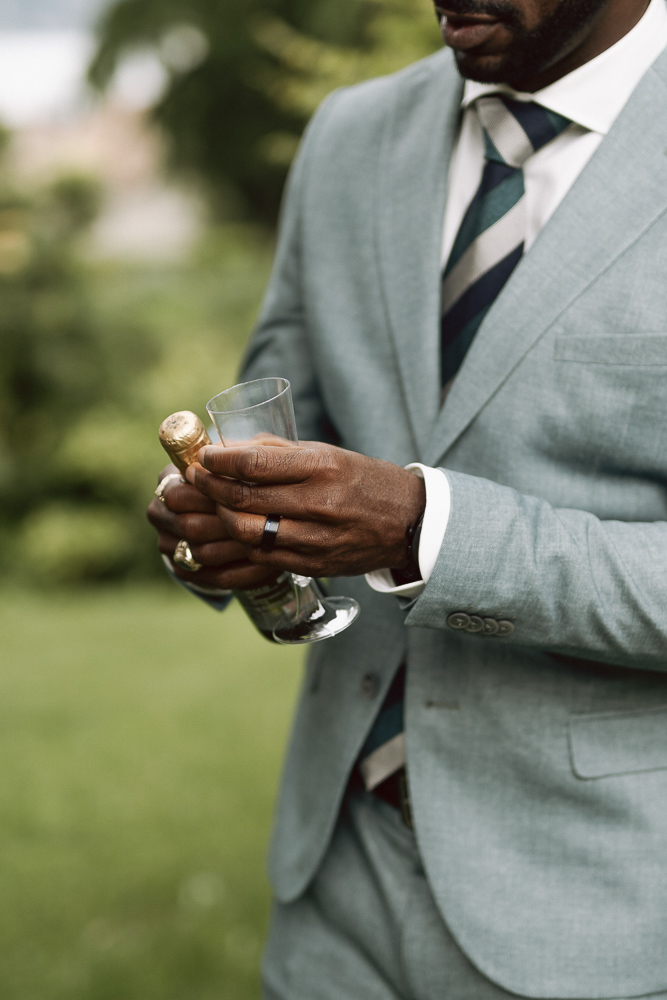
(92,358)
(244,78)
(67,543)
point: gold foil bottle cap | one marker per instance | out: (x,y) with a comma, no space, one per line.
(181,435)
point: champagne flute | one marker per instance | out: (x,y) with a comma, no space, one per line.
(255,409)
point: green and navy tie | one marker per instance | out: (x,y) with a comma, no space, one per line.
(487,248)
(490,241)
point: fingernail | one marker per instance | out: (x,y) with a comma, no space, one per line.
(201,456)
(190,474)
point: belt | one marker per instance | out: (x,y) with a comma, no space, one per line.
(395,792)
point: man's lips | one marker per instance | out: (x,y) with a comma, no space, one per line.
(467,31)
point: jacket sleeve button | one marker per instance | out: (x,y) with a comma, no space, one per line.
(491,627)
(458,620)
(476,624)
(505,628)
(370,685)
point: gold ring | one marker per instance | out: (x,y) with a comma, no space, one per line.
(184,557)
(163,482)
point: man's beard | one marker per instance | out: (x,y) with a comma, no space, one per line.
(531,52)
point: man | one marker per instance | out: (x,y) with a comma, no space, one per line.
(519,365)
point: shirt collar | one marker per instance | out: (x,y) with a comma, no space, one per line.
(594,94)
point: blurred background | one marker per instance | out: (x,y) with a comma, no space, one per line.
(143,149)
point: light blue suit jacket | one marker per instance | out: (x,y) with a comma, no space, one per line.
(538,761)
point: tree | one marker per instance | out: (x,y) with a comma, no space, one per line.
(245,77)
(58,364)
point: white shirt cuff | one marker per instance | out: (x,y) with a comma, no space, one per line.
(434,525)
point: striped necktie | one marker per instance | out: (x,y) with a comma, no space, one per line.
(487,248)
(490,241)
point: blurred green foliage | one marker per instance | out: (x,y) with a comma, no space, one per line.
(244,77)
(57,362)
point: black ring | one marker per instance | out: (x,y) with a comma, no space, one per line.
(270,533)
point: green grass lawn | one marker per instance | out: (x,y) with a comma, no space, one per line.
(141,737)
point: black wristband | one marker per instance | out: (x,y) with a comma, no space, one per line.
(411,573)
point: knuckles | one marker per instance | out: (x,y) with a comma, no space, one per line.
(253,463)
(184,498)
(244,531)
(160,516)
(239,495)
(238,526)
(200,528)
(321,464)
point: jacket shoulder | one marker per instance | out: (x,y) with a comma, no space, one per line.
(383,89)
(363,109)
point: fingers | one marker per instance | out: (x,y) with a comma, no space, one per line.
(252,498)
(293,536)
(259,463)
(195,528)
(223,566)
(187,514)
(178,498)
(310,498)
(248,529)
(218,553)
(236,576)
(181,497)
(201,528)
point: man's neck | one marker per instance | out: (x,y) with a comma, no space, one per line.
(610,25)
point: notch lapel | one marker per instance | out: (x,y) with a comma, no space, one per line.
(412,182)
(618,195)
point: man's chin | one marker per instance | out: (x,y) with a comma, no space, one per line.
(482,68)
(493,69)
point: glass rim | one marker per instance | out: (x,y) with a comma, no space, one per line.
(241,385)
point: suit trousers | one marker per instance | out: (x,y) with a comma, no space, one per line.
(367,928)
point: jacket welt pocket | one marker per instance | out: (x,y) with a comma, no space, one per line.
(618,742)
(613,349)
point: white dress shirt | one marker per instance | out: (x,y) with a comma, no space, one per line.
(592,97)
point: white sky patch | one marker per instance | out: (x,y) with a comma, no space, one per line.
(43,76)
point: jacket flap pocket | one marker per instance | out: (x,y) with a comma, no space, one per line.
(613,349)
(618,742)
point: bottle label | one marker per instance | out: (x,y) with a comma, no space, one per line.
(266,605)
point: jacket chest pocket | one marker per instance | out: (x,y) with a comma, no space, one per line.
(624,349)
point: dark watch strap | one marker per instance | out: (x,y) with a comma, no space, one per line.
(410,573)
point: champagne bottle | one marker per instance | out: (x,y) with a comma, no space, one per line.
(181,435)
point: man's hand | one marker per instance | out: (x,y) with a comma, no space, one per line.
(187,514)
(342,514)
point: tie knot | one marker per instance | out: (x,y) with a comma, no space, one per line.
(514,130)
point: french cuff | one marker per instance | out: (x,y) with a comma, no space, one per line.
(213,596)
(434,525)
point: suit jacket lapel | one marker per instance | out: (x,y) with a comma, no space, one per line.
(412,182)
(618,195)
